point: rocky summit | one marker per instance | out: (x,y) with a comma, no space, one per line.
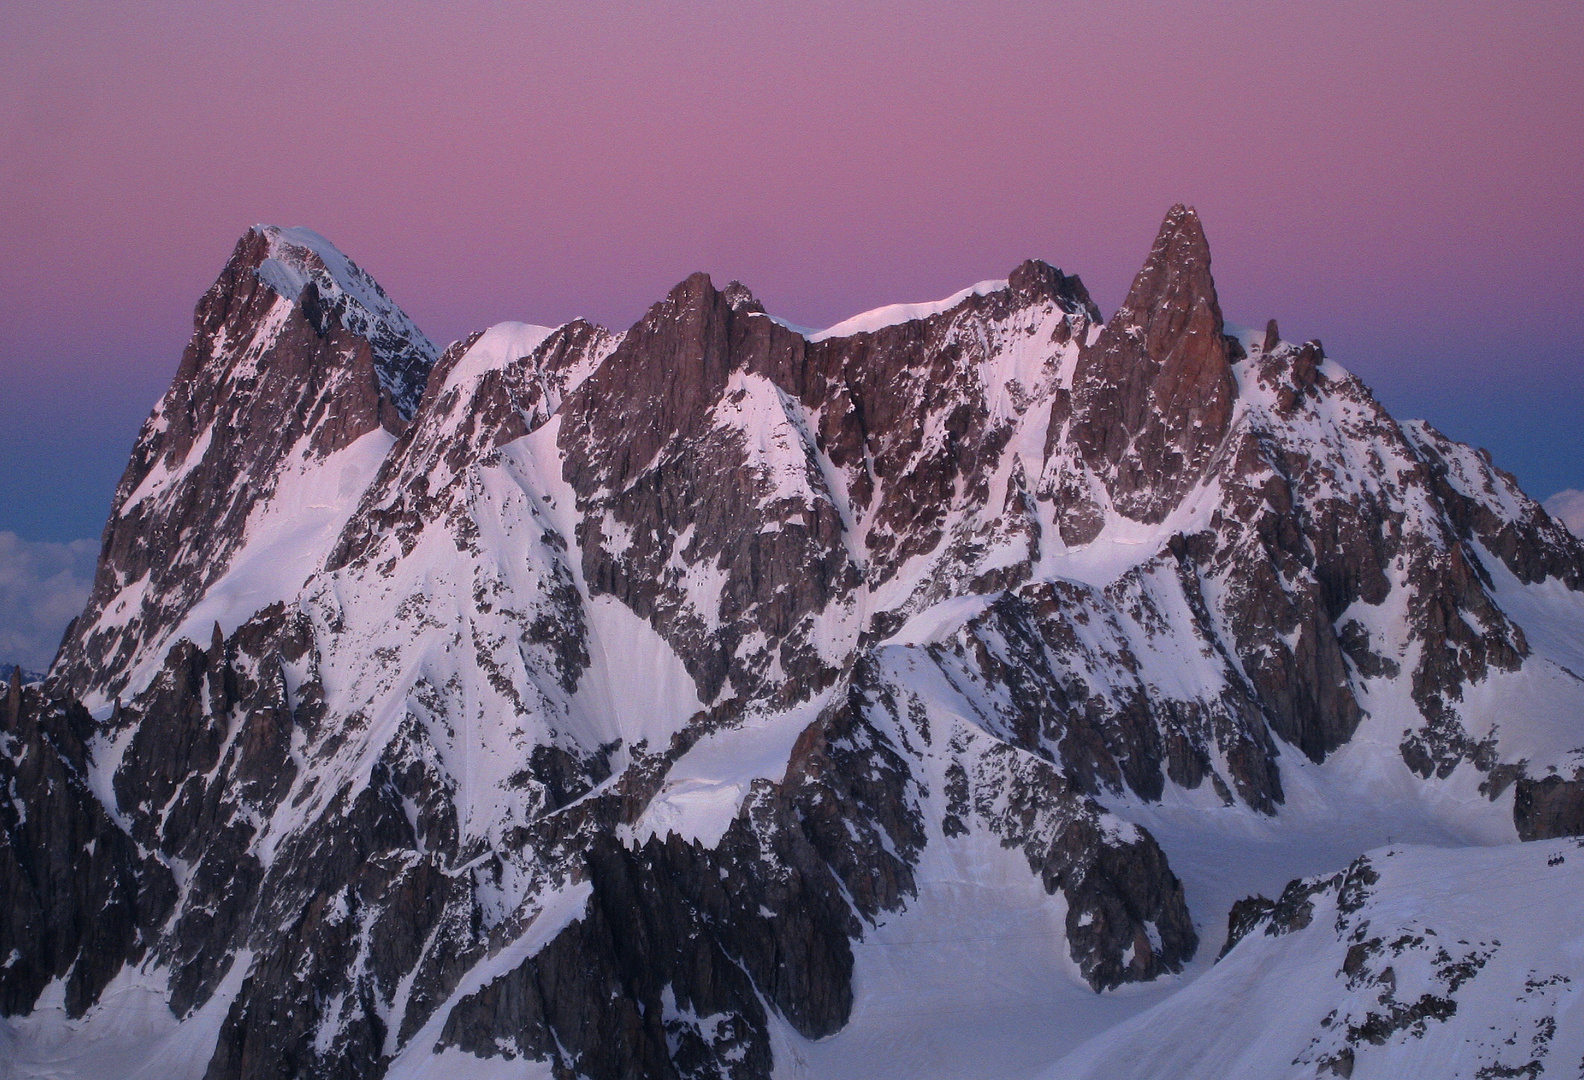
(971,689)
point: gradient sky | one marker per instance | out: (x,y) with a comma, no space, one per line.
(1404,181)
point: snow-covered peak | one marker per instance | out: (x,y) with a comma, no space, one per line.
(298,255)
(869,321)
(495,348)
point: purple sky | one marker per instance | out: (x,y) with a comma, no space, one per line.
(1404,181)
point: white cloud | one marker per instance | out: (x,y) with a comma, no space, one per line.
(1568,508)
(43,586)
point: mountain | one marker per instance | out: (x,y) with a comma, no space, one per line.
(1568,508)
(299,376)
(941,693)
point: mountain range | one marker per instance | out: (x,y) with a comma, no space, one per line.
(983,688)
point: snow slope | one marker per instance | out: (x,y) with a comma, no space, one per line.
(1415,961)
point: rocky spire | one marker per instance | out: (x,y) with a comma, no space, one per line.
(1173,298)
(332,290)
(741,298)
(1035,281)
(664,377)
(1153,396)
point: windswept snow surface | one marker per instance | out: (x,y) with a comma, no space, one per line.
(130,1034)
(869,321)
(284,544)
(635,688)
(1458,962)
(972,981)
(705,789)
(496,347)
(298,255)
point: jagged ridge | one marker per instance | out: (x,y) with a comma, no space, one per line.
(602,704)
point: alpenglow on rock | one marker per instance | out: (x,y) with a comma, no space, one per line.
(940,694)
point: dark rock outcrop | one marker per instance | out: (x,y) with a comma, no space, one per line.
(81,899)
(1152,398)
(1547,808)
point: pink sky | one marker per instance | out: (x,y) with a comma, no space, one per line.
(1404,181)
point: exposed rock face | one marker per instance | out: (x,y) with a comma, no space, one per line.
(81,899)
(853,456)
(595,698)
(1152,398)
(1548,808)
